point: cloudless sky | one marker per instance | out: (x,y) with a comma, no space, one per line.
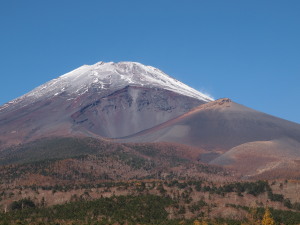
(247,50)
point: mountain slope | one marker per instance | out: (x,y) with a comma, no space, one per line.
(219,125)
(86,160)
(236,136)
(101,100)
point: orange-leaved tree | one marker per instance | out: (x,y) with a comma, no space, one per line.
(267,219)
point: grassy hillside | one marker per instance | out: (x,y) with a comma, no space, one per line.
(86,160)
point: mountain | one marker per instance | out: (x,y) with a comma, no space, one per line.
(126,136)
(128,102)
(234,136)
(100,100)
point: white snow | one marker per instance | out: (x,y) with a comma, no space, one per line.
(107,76)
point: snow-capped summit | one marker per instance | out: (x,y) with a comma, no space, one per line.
(107,76)
(104,99)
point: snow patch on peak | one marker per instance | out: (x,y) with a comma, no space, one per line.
(139,74)
(106,76)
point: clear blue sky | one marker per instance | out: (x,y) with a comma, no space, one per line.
(247,50)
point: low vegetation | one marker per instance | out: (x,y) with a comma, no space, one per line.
(87,181)
(141,209)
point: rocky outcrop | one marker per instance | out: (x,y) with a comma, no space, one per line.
(131,110)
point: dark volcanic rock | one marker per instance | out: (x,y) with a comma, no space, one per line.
(131,110)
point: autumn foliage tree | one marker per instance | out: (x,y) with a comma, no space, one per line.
(196,222)
(267,218)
